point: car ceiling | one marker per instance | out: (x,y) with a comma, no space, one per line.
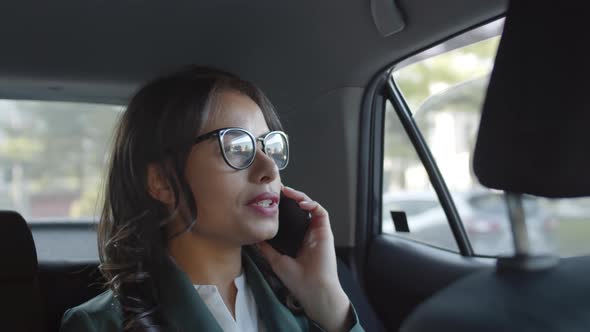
(101,50)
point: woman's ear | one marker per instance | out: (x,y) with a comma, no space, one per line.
(158,186)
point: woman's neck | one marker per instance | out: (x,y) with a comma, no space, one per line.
(206,262)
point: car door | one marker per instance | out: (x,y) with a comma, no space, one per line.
(417,140)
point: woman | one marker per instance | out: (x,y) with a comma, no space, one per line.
(191,195)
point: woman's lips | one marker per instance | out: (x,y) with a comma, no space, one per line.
(269,210)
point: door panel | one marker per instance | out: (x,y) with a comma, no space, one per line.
(401,273)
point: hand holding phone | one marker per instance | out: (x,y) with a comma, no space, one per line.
(311,276)
(293,224)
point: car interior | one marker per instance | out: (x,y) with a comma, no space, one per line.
(345,79)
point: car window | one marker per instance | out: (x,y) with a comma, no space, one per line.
(406,189)
(445,88)
(491,202)
(414,207)
(52,157)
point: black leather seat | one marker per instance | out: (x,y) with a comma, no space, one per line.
(65,285)
(554,299)
(21,308)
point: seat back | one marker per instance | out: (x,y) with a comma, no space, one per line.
(555,299)
(21,308)
(65,285)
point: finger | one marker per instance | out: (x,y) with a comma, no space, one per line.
(319,215)
(295,194)
(314,208)
(317,211)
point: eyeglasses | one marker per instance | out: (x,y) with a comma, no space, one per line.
(238,146)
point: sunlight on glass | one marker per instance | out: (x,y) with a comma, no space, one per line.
(242,140)
(52,157)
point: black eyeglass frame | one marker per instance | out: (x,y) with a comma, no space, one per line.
(219,133)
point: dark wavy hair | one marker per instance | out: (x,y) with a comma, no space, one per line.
(167,112)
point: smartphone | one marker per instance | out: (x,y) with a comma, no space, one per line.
(293,224)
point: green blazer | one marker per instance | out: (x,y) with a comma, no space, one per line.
(182,306)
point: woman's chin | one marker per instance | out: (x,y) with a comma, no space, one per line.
(263,233)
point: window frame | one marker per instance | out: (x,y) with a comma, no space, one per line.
(371,155)
(411,129)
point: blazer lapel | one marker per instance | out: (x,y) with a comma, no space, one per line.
(181,304)
(275,315)
(184,309)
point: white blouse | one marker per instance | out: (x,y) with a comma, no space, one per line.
(247,319)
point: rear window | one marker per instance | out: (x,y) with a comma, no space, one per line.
(53,156)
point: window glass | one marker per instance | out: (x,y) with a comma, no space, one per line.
(52,157)
(445,88)
(406,188)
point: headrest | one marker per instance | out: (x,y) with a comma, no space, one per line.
(534,135)
(17,248)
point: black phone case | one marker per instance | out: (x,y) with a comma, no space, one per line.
(293,224)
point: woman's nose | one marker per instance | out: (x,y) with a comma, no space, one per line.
(264,168)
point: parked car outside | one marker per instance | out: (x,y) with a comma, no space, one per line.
(484,216)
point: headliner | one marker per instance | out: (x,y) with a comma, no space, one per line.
(99,51)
